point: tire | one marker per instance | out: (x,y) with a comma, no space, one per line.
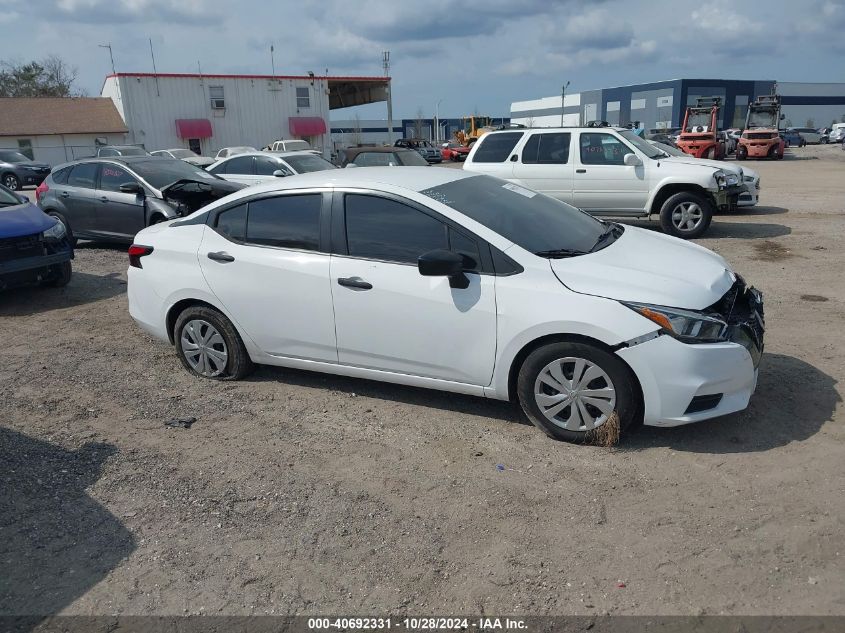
(540,399)
(10,181)
(686,209)
(156,218)
(773,153)
(228,359)
(741,152)
(61,275)
(61,218)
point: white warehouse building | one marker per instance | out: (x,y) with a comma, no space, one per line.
(205,112)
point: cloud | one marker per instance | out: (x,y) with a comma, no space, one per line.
(125,12)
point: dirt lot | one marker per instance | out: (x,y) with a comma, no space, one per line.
(304,493)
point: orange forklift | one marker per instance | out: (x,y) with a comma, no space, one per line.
(699,134)
(761,137)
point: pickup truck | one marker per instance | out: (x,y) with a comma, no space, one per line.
(609,171)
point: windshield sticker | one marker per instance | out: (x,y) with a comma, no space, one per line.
(520,190)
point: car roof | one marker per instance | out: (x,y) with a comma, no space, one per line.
(582,128)
(411,178)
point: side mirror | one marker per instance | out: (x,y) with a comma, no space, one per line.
(348,165)
(782,117)
(632,160)
(132,187)
(443,263)
(280,173)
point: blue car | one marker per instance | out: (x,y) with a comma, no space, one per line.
(34,247)
(792,138)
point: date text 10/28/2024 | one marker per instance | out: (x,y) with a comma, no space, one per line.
(416,624)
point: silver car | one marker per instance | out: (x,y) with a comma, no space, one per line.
(111,199)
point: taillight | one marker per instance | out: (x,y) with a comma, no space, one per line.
(136,252)
(40,190)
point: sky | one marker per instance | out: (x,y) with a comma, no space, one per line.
(468,56)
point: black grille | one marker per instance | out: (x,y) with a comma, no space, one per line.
(703,403)
(12,248)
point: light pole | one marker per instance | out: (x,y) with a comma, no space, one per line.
(111,56)
(562,101)
(437,121)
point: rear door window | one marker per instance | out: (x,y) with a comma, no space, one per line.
(285,221)
(547,149)
(231,223)
(83,175)
(496,148)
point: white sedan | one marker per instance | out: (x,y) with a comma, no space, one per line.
(253,168)
(449,280)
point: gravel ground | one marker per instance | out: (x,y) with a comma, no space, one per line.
(310,494)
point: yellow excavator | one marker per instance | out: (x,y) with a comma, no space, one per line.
(474,128)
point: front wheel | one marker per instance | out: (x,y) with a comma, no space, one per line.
(571,390)
(741,152)
(209,345)
(60,275)
(686,215)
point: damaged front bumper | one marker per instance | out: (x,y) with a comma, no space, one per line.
(684,383)
(727,199)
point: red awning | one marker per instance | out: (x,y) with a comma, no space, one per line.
(307,126)
(193,128)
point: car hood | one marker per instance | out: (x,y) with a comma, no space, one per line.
(23,219)
(31,164)
(649,267)
(705,162)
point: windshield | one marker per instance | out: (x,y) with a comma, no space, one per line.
(132,151)
(668,149)
(410,158)
(308,162)
(762,118)
(640,143)
(13,157)
(295,146)
(698,118)
(532,220)
(183,153)
(7,198)
(162,172)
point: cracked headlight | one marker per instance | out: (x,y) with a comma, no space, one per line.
(725,180)
(688,326)
(55,232)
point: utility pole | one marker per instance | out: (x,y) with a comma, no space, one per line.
(562,101)
(273,59)
(437,120)
(155,72)
(111,56)
(385,62)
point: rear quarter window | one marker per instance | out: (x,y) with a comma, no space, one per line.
(496,148)
(60,176)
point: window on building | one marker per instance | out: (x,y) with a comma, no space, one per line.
(378,228)
(215,93)
(25,147)
(285,221)
(303,97)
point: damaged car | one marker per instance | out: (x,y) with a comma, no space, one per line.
(112,199)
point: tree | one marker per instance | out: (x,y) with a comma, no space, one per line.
(418,123)
(49,77)
(810,122)
(788,122)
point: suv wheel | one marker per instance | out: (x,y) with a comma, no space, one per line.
(209,345)
(10,181)
(571,389)
(686,215)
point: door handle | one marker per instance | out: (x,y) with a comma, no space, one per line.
(221,256)
(354,282)
(580,171)
(103,199)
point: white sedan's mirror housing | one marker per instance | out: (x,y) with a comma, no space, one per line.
(348,165)
(280,173)
(632,160)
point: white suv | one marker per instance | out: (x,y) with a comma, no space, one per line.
(611,172)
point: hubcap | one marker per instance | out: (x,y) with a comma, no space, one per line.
(10,182)
(575,394)
(204,348)
(687,216)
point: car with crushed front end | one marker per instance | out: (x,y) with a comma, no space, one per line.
(111,199)
(449,280)
(34,247)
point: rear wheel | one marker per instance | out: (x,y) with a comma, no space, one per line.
(741,152)
(686,215)
(572,389)
(10,181)
(209,345)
